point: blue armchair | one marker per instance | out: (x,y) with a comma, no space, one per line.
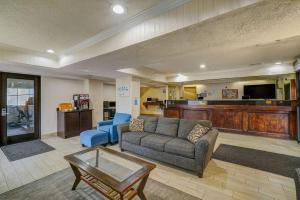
(110,126)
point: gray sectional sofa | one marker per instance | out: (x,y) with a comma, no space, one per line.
(164,139)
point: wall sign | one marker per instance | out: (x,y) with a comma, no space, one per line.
(123,91)
(135,101)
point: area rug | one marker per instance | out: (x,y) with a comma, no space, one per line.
(25,149)
(267,161)
(58,187)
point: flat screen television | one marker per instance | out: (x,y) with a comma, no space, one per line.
(265,91)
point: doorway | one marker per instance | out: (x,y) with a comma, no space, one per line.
(20,107)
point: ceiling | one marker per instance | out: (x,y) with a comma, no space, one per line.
(39,25)
(254,35)
(258,35)
(216,59)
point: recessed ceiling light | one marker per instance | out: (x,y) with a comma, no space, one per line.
(118,9)
(181,77)
(278,63)
(202,66)
(50,51)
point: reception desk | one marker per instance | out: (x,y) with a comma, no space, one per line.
(277,121)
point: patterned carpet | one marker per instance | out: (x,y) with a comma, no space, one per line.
(58,187)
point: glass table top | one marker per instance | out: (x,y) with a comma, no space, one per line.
(113,165)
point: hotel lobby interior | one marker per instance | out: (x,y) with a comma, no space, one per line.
(150,99)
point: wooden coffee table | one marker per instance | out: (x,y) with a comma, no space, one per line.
(113,174)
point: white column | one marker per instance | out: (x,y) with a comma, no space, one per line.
(95,90)
(136,87)
(128,96)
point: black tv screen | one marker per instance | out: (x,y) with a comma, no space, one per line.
(265,91)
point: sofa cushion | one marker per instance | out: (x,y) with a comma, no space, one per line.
(134,137)
(136,125)
(155,141)
(186,126)
(197,132)
(105,128)
(150,123)
(167,126)
(181,147)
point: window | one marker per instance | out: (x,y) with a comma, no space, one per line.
(19,96)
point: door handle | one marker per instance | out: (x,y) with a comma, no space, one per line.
(3,112)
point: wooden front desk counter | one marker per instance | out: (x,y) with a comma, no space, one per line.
(272,121)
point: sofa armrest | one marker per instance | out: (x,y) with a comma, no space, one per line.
(107,122)
(122,128)
(104,123)
(204,149)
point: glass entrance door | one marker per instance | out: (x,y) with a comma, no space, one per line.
(20,108)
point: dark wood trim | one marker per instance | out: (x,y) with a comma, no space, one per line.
(298,105)
(3,121)
(37,103)
(293,89)
(270,121)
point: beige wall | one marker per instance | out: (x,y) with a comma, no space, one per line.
(215,90)
(285,79)
(58,90)
(173,92)
(109,92)
(53,92)
(95,90)
(150,92)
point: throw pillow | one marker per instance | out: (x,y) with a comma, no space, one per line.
(197,132)
(136,125)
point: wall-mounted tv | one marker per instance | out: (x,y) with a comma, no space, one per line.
(265,91)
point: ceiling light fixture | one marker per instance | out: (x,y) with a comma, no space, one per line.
(50,51)
(181,78)
(278,63)
(118,9)
(202,66)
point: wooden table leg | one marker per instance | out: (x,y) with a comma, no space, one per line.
(140,189)
(77,175)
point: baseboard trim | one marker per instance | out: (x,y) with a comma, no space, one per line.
(47,135)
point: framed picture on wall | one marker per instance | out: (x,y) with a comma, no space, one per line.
(230,93)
